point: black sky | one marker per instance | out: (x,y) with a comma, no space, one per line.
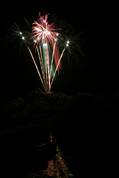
(94,72)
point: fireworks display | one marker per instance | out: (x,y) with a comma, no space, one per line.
(45,40)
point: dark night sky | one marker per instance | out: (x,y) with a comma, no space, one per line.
(94,72)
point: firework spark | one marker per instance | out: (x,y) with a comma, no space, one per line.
(45,40)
